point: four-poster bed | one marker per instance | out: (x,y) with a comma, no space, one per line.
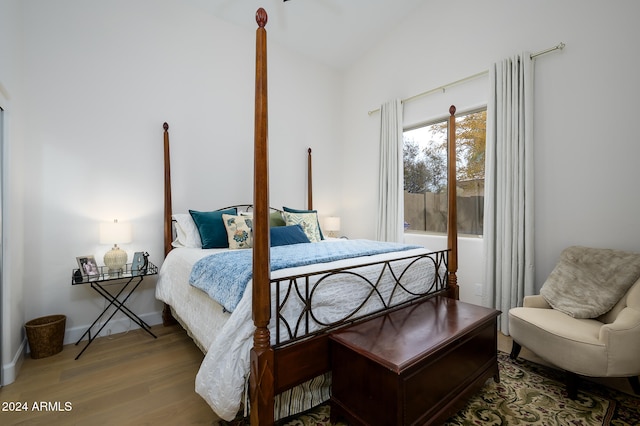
(289,332)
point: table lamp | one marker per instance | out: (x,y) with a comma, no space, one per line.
(332,226)
(115,233)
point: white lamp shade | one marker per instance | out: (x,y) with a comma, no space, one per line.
(332,224)
(115,232)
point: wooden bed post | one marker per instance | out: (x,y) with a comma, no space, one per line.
(167,192)
(452,221)
(262,358)
(309,182)
(167,317)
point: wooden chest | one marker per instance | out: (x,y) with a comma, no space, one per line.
(417,365)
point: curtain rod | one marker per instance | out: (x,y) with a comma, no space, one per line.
(559,46)
(439,88)
(444,87)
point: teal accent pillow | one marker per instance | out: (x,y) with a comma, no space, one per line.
(290,210)
(211,227)
(286,235)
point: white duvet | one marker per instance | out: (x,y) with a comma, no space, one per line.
(228,338)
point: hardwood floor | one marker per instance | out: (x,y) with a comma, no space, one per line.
(130,379)
(125,379)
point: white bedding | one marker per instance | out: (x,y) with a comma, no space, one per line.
(227,338)
(201,316)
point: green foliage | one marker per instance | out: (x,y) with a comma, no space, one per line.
(471,138)
(426,170)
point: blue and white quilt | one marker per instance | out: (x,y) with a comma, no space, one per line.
(224,276)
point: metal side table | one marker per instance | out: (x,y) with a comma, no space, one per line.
(129,279)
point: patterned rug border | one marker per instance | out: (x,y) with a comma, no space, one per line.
(624,408)
(541,400)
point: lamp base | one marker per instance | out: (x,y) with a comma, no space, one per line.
(115,259)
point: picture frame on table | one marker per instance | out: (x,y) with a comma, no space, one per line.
(140,263)
(88,266)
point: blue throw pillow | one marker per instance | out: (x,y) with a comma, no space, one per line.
(290,210)
(211,227)
(285,235)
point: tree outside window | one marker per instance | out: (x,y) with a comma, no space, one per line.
(425,175)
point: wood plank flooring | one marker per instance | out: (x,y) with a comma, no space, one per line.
(130,379)
(125,379)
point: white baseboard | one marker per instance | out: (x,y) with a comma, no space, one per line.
(118,324)
(10,371)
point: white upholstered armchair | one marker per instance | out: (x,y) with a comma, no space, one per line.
(586,319)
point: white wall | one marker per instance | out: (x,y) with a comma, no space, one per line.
(586,154)
(92,83)
(13,301)
(100,80)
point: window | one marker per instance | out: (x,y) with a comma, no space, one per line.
(425,175)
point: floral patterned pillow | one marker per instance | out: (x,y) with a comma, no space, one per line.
(308,222)
(239,229)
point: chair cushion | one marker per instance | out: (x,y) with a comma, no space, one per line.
(569,343)
(588,282)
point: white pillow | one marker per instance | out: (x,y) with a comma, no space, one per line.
(187,234)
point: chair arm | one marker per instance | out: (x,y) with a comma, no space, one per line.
(622,339)
(536,301)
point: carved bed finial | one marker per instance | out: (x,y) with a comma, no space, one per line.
(261,17)
(452,110)
(165,126)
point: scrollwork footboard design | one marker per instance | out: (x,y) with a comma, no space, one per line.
(314,303)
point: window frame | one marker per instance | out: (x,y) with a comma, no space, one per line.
(438,120)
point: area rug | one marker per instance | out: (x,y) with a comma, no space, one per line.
(528,394)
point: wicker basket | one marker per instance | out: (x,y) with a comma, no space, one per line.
(46,335)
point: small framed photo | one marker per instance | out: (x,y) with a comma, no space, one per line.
(139,264)
(88,266)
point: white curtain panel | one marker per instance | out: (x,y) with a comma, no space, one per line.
(508,208)
(391,178)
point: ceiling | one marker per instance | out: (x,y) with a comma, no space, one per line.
(334,32)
